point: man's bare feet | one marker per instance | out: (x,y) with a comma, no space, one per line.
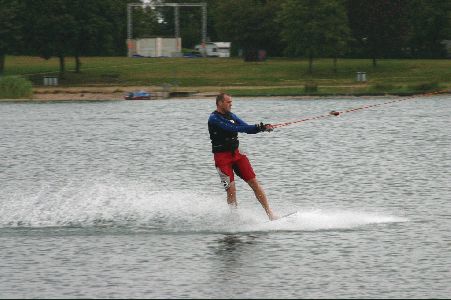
(272,216)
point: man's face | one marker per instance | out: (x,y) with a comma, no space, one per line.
(226,104)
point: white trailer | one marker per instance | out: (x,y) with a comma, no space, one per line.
(215,49)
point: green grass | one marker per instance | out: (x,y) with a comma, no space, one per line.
(276,76)
(15,87)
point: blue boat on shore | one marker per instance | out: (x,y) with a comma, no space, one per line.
(138,95)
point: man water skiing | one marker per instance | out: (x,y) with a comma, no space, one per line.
(223,127)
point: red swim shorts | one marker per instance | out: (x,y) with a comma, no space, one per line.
(227,162)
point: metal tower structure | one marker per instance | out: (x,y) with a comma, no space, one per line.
(176,6)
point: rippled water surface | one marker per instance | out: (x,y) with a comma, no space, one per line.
(122,200)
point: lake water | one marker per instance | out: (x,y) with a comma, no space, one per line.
(121,199)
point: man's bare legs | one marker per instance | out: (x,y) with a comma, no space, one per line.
(231,196)
(261,196)
(259,193)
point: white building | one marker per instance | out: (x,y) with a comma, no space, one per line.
(216,49)
(155,47)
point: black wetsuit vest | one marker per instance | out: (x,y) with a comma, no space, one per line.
(223,140)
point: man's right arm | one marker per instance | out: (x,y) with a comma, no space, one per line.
(229,126)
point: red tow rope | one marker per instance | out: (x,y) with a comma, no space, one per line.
(337,113)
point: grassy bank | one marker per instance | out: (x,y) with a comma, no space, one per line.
(278,76)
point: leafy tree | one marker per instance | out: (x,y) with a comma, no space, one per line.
(249,24)
(336,30)
(380,27)
(77,28)
(93,33)
(314,28)
(10,28)
(430,24)
(146,22)
(115,13)
(51,29)
(190,23)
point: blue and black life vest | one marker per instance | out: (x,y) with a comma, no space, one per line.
(224,128)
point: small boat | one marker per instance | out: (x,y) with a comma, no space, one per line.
(139,95)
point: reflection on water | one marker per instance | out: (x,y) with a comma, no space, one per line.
(231,243)
(231,251)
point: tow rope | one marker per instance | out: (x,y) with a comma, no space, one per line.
(337,113)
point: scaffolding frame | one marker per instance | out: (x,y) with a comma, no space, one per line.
(176,6)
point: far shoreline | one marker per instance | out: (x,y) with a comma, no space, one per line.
(117,93)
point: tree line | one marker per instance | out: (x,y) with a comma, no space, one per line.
(291,28)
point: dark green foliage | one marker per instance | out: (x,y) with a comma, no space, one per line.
(298,28)
(314,28)
(10,28)
(380,27)
(14,87)
(430,24)
(425,87)
(249,24)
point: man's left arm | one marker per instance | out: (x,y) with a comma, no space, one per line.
(261,126)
